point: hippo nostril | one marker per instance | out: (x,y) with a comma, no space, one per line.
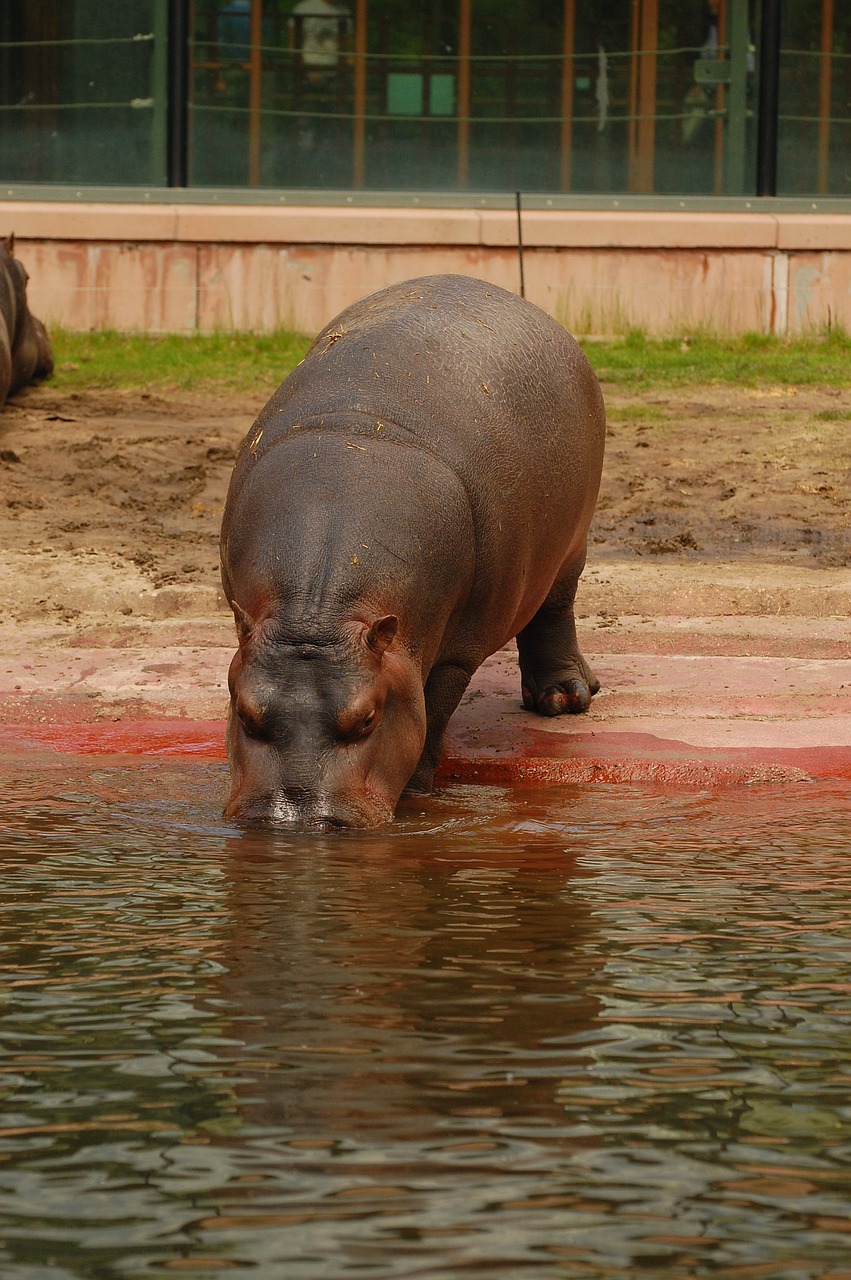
(329,822)
(286,811)
(301,812)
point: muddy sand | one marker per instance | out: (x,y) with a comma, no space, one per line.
(723,530)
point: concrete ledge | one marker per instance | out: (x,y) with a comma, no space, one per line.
(633,230)
(88,222)
(811,231)
(358,224)
(188,267)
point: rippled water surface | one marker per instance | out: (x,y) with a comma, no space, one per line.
(590,1032)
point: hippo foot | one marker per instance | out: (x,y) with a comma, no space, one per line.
(571,697)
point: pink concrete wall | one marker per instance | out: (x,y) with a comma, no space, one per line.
(183,268)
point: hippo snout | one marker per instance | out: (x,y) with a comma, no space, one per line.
(283,810)
(310,815)
(44,360)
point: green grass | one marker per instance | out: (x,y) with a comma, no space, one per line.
(750,360)
(649,414)
(833,415)
(229,361)
(250,362)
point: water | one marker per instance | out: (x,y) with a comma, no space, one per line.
(591,1032)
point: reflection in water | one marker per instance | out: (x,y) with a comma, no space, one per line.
(601,1032)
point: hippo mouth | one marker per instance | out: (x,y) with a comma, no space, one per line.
(280,812)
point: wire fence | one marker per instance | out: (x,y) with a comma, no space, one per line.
(119,85)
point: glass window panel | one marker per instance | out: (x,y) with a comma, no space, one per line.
(814,125)
(561,96)
(279,117)
(706,94)
(82,91)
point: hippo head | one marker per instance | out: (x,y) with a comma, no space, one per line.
(323,731)
(29,347)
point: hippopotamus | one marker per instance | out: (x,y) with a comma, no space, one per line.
(25,352)
(414,495)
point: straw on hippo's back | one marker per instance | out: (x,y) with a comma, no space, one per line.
(25,352)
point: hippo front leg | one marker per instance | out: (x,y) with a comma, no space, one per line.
(444,689)
(555,678)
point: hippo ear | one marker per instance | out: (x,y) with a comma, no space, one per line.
(244,621)
(382,633)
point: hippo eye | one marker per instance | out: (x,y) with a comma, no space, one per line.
(358,726)
(251,723)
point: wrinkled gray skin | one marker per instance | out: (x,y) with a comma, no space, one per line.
(25,352)
(415,494)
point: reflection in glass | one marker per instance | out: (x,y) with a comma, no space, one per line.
(566,97)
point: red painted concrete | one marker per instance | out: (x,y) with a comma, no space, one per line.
(203,739)
(675,718)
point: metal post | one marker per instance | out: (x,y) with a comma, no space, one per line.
(520,244)
(825,84)
(159,94)
(647,95)
(737,98)
(769,99)
(178,92)
(255,92)
(720,112)
(359,112)
(634,76)
(464,45)
(643,95)
(567,79)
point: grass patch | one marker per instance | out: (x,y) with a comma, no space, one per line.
(637,414)
(751,360)
(833,415)
(230,361)
(251,362)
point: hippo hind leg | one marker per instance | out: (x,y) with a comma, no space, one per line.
(555,677)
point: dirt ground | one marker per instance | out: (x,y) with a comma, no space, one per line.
(133,483)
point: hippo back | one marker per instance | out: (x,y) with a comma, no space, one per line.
(470,370)
(474,374)
(491,386)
